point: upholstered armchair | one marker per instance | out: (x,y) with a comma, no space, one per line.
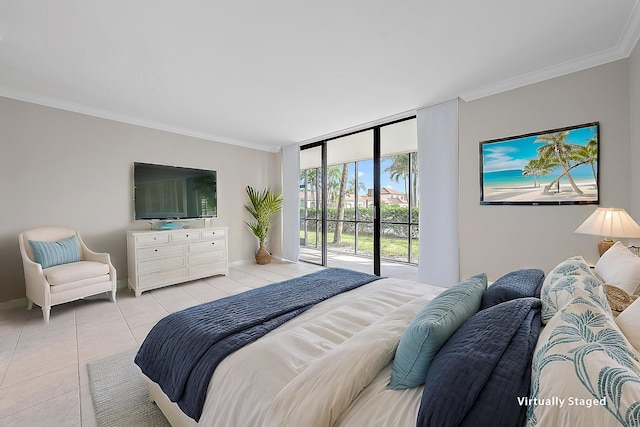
(58,268)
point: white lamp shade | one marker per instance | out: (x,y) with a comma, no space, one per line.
(610,222)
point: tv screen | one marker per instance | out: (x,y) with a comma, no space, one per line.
(554,167)
(171,192)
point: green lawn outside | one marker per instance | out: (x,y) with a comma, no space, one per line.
(391,247)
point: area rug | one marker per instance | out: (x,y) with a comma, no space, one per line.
(121,394)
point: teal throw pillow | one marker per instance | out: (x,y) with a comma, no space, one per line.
(48,254)
(431,328)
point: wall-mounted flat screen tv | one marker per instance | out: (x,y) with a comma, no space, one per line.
(554,167)
(171,192)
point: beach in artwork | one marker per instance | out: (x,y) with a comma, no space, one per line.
(533,168)
(529,193)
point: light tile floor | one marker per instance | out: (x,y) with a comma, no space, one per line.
(43,367)
(361,263)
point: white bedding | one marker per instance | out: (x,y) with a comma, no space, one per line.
(329,366)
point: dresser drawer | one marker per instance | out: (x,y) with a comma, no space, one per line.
(147,267)
(160,252)
(162,277)
(214,234)
(152,238)
(185,236)
(211,245)
(206,257)
(203,270)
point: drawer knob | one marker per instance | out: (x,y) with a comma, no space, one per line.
(155,250)
(187,235)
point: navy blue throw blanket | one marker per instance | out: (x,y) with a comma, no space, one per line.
(478,375)
(181,352)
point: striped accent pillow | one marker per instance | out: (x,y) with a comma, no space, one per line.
(431,328)
(48,254)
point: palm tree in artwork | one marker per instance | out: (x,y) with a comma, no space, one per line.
(556,147)
(546,166)
(531,169)
(538,168)
(588,154)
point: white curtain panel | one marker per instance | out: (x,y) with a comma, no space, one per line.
(438,180)
(290,209)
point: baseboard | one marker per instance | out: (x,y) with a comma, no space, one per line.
(243,262)
(16,303)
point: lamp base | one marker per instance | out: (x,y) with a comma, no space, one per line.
(604,245)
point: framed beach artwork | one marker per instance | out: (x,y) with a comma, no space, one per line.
(554,167)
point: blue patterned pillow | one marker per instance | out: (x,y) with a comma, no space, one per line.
(431,328)
(584,371)
(562,282)
(48,254)
(517,284)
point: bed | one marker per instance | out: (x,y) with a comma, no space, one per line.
(488,356)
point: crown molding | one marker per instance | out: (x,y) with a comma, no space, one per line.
(626,43)
(624,48)
(543,74)
(123,118)
(631,33)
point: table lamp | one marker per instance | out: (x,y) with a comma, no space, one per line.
(609,222)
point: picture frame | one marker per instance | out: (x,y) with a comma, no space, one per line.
(552,167)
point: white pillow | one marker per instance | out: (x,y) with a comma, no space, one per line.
(620,267)
(628,320)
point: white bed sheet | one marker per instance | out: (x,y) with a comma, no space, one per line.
(328,366)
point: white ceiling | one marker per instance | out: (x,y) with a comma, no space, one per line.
(264,74)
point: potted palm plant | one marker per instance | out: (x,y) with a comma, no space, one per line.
(264,205)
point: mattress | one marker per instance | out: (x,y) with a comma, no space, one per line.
(328,366)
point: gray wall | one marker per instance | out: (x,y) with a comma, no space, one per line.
(63,168)
(68,169)
(497,239)
(634,90)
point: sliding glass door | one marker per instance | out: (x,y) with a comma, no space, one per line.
(399,195)
(350,207)
(359,199)
(312,241)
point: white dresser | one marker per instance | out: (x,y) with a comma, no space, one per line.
(162,258)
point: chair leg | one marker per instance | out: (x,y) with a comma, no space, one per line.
(112,296)
(46,311)
(29,304)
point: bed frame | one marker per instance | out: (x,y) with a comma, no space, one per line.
(171,410)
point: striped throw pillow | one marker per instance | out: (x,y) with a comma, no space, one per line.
(48,254)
